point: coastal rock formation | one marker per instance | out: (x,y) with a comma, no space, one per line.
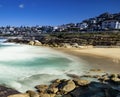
(32,93)
(113,78)
(52,90)
(94,89)
(67,86)
(35,42)
(31,43)
(109,86)
(41,88)
(81,82)
(4,91)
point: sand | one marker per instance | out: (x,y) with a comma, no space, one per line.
(113,53)
(106,59)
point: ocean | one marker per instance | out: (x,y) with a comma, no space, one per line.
(22,66)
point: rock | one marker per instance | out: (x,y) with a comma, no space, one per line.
(113,75)
(42,88)
(32,93)
(37,43)
(73,76)
(67,86)
(81,82)
(20,95)
(66,45)
(31,43)
(89,76)
(54,85)
(94,89)
(56,81)
(52,90)
(4,91)
(58,96)
(116,80)
(52,95)
(104,78)
(55,45)
(44,95)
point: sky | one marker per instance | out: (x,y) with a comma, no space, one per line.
(53,12)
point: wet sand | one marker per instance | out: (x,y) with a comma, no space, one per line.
(101,60)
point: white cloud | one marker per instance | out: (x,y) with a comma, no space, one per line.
(21,6)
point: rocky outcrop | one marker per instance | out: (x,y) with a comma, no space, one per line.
(112,78)
(53,90)
(94,89)
(109,86)
(41,88)
(32,93)
(67,86)
(35,42)
(31,43)
(81,82)
(4,91)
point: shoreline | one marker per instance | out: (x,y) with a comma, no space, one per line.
(95,60)
(106,59)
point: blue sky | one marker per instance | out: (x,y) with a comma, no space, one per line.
(52,12)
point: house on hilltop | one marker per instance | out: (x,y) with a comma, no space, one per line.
(110,24)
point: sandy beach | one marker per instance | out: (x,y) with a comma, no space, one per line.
(106,59)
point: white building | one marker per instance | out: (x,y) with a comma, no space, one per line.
(83,26)
(62,27)
(93,21)
(111,24)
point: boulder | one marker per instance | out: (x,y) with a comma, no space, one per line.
(67,86)
(5,92)
(54,85)
(56,81)
(20,95)
(37,43)
(32,93)
(116,80)
(42,88)
(94,89)
(104,78)
(113,75)
(46,95)
(52,90)
(31,43)
(73,75)
(81,82)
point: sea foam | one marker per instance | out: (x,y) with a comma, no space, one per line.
(23,67)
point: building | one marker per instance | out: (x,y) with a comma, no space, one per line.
(111,24)
(82,25)
(93,20)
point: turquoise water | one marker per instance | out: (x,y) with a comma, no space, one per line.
(22,66)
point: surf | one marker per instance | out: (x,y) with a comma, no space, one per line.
(23,66)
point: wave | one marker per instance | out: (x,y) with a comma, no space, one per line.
(23,67)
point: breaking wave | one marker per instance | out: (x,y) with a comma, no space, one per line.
(22,67)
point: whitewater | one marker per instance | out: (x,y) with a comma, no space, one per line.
(22,66)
